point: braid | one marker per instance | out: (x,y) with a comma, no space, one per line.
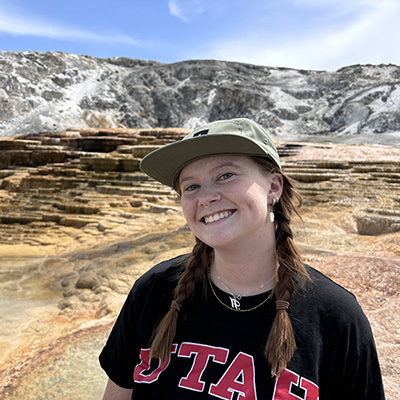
(281,342)
(195,273)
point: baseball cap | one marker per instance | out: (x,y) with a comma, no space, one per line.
(240,136)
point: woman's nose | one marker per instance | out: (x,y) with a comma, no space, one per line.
(208,196)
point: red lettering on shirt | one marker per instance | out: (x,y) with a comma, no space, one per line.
(202,355)
(139,375)
(285,383)
(239,377)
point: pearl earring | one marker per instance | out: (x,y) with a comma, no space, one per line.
(271,213)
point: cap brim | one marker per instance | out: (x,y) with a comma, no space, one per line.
(166,163)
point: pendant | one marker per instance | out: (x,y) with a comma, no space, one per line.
(235,303)
(271,216)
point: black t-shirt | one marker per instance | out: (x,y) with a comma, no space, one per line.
(218,353)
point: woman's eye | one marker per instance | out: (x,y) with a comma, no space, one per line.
(190,188)
(226,176)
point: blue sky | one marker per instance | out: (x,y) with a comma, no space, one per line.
(308,34)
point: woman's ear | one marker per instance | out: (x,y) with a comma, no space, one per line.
(276,188)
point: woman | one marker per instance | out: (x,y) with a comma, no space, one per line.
(241,317)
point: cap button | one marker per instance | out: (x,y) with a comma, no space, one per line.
(266,141)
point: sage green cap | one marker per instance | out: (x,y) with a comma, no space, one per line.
(239,136)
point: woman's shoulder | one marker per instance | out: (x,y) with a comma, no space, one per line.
(165,274)
(325,297)
(318,281)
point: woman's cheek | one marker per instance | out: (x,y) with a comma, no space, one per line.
(188,210)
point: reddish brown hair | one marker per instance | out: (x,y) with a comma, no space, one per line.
(281,343)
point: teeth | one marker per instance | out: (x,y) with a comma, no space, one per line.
(217,217)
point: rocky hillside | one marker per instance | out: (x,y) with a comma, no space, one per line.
(52,91)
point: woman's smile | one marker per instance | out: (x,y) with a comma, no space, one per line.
(217,217)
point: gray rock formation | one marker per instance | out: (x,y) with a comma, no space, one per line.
(53,91)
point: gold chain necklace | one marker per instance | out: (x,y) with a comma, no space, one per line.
(236,305)
(239,296)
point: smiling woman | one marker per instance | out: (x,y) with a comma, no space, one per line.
(241,316)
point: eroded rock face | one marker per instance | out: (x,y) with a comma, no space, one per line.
(377,222)
(53,91)
(80,183)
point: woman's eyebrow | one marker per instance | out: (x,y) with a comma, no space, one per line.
(216,168)
(226,164)
(187,178)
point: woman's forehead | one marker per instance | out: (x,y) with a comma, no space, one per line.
(216,161)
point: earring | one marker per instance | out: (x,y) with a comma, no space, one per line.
(271,213)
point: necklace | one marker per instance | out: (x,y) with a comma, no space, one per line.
(238,296)
(235,302)
(235,298)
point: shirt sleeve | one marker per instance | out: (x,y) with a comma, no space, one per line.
(366,379)
(146,304)
(121,352)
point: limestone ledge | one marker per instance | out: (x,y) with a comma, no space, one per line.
(77,179)
(80,177)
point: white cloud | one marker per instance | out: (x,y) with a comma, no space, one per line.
(370,36)
(176,10)
(189,9)
(17,22)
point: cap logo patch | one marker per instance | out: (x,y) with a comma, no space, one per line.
(201,133)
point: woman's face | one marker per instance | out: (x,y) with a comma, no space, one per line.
(225,199)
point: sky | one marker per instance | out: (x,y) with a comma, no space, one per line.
(301,34)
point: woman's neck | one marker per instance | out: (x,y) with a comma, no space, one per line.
(245,273)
